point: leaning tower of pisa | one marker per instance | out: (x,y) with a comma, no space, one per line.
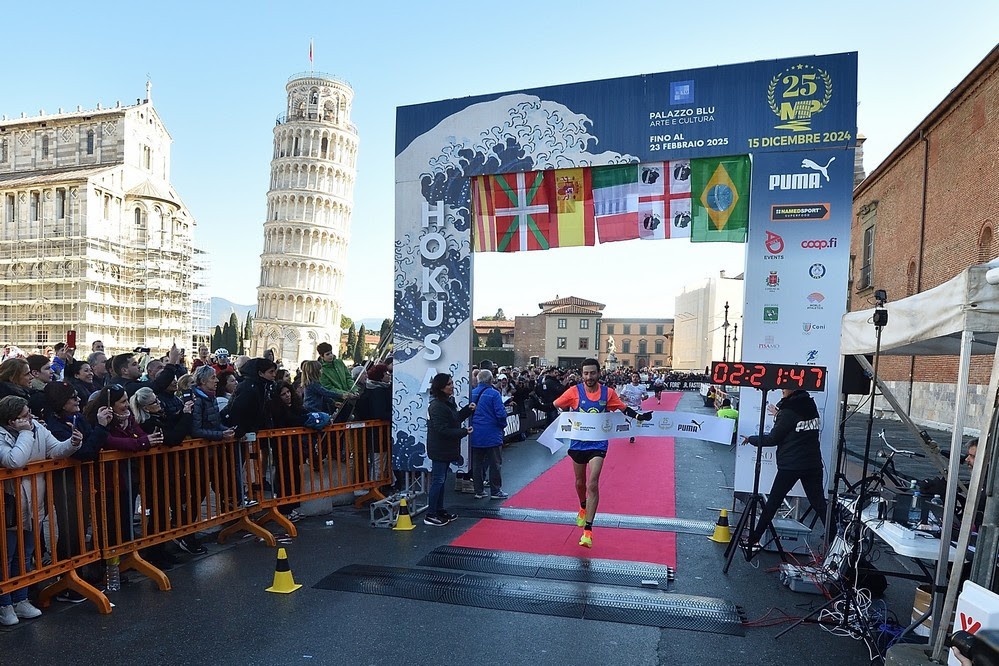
(307,229)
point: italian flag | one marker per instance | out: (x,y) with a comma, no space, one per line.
(615,201)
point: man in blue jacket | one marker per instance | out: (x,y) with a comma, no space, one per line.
(488,424)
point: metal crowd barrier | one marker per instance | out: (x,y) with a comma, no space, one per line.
(179,490)
(310,464)
(57,492)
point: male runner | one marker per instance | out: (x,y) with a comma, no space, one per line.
(632,394)
(594,397)
(658,384)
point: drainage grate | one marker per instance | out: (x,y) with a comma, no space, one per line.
(562,599)
(554,567)
(681,525)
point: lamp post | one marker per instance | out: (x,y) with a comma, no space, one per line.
(735,339)
(725,335)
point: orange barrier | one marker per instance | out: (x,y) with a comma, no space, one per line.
(180,490)
(51,503)
(310,464)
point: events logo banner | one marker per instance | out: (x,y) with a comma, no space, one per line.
(797,266)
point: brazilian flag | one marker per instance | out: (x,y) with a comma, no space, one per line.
(719,199)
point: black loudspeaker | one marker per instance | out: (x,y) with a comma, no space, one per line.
(855,380)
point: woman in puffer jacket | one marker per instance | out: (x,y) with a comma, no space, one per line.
(24,440)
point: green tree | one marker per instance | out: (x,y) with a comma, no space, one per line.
(359,348)
(234,337)
(495,338)
(216,338)
(476,340)
(345,322)
(499,316)
(385,336)
(248,327)
(351,342)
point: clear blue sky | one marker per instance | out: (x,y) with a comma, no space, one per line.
(219,71)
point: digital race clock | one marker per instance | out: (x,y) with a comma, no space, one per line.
(768,376)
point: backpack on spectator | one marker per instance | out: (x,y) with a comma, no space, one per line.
(317,420)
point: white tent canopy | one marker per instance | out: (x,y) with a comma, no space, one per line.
(931,323)
(957,318)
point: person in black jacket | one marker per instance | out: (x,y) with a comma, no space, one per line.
(159,471)
(248,409)
(444,435)
(548,389)
(125,368)
(286,411)
(799,458)
(375,404)
(62,417)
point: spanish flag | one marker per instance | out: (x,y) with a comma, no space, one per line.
(572,223)
(719,202)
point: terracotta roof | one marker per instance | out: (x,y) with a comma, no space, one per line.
(46,176)
(571,300)
(572,309)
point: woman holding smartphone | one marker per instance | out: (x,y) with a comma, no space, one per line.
(124,434)
(151,417)
(63,418)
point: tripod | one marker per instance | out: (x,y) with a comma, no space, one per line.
(755,503)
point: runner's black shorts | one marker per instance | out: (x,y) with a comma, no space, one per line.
(585,456)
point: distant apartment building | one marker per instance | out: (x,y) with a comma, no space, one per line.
(639,343)
(566,331)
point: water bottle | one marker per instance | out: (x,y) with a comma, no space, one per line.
(112,577)
(915,513)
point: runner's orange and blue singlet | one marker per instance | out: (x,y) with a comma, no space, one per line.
(593,407)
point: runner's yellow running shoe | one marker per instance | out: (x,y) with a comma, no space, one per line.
(581,518)
(586,541)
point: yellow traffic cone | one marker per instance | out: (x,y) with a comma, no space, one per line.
(722,532)
(404,523)
(284,582)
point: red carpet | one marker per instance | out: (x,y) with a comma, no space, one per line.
(609,543)
(637,480)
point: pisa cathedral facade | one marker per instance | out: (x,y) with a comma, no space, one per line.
(94,237)
(307,229)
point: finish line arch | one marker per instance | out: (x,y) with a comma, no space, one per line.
(794,117)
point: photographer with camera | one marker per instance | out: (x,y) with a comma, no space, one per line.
(125,372)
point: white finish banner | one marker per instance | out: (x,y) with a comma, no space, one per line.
(589,427)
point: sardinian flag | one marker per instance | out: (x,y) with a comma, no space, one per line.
(664,200)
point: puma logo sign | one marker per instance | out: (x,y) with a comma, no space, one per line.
(824,170)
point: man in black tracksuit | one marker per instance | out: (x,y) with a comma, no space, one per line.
(799,458)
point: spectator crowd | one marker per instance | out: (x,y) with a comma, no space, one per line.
(55,405)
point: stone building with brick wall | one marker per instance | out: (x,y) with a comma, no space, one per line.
(929,211)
